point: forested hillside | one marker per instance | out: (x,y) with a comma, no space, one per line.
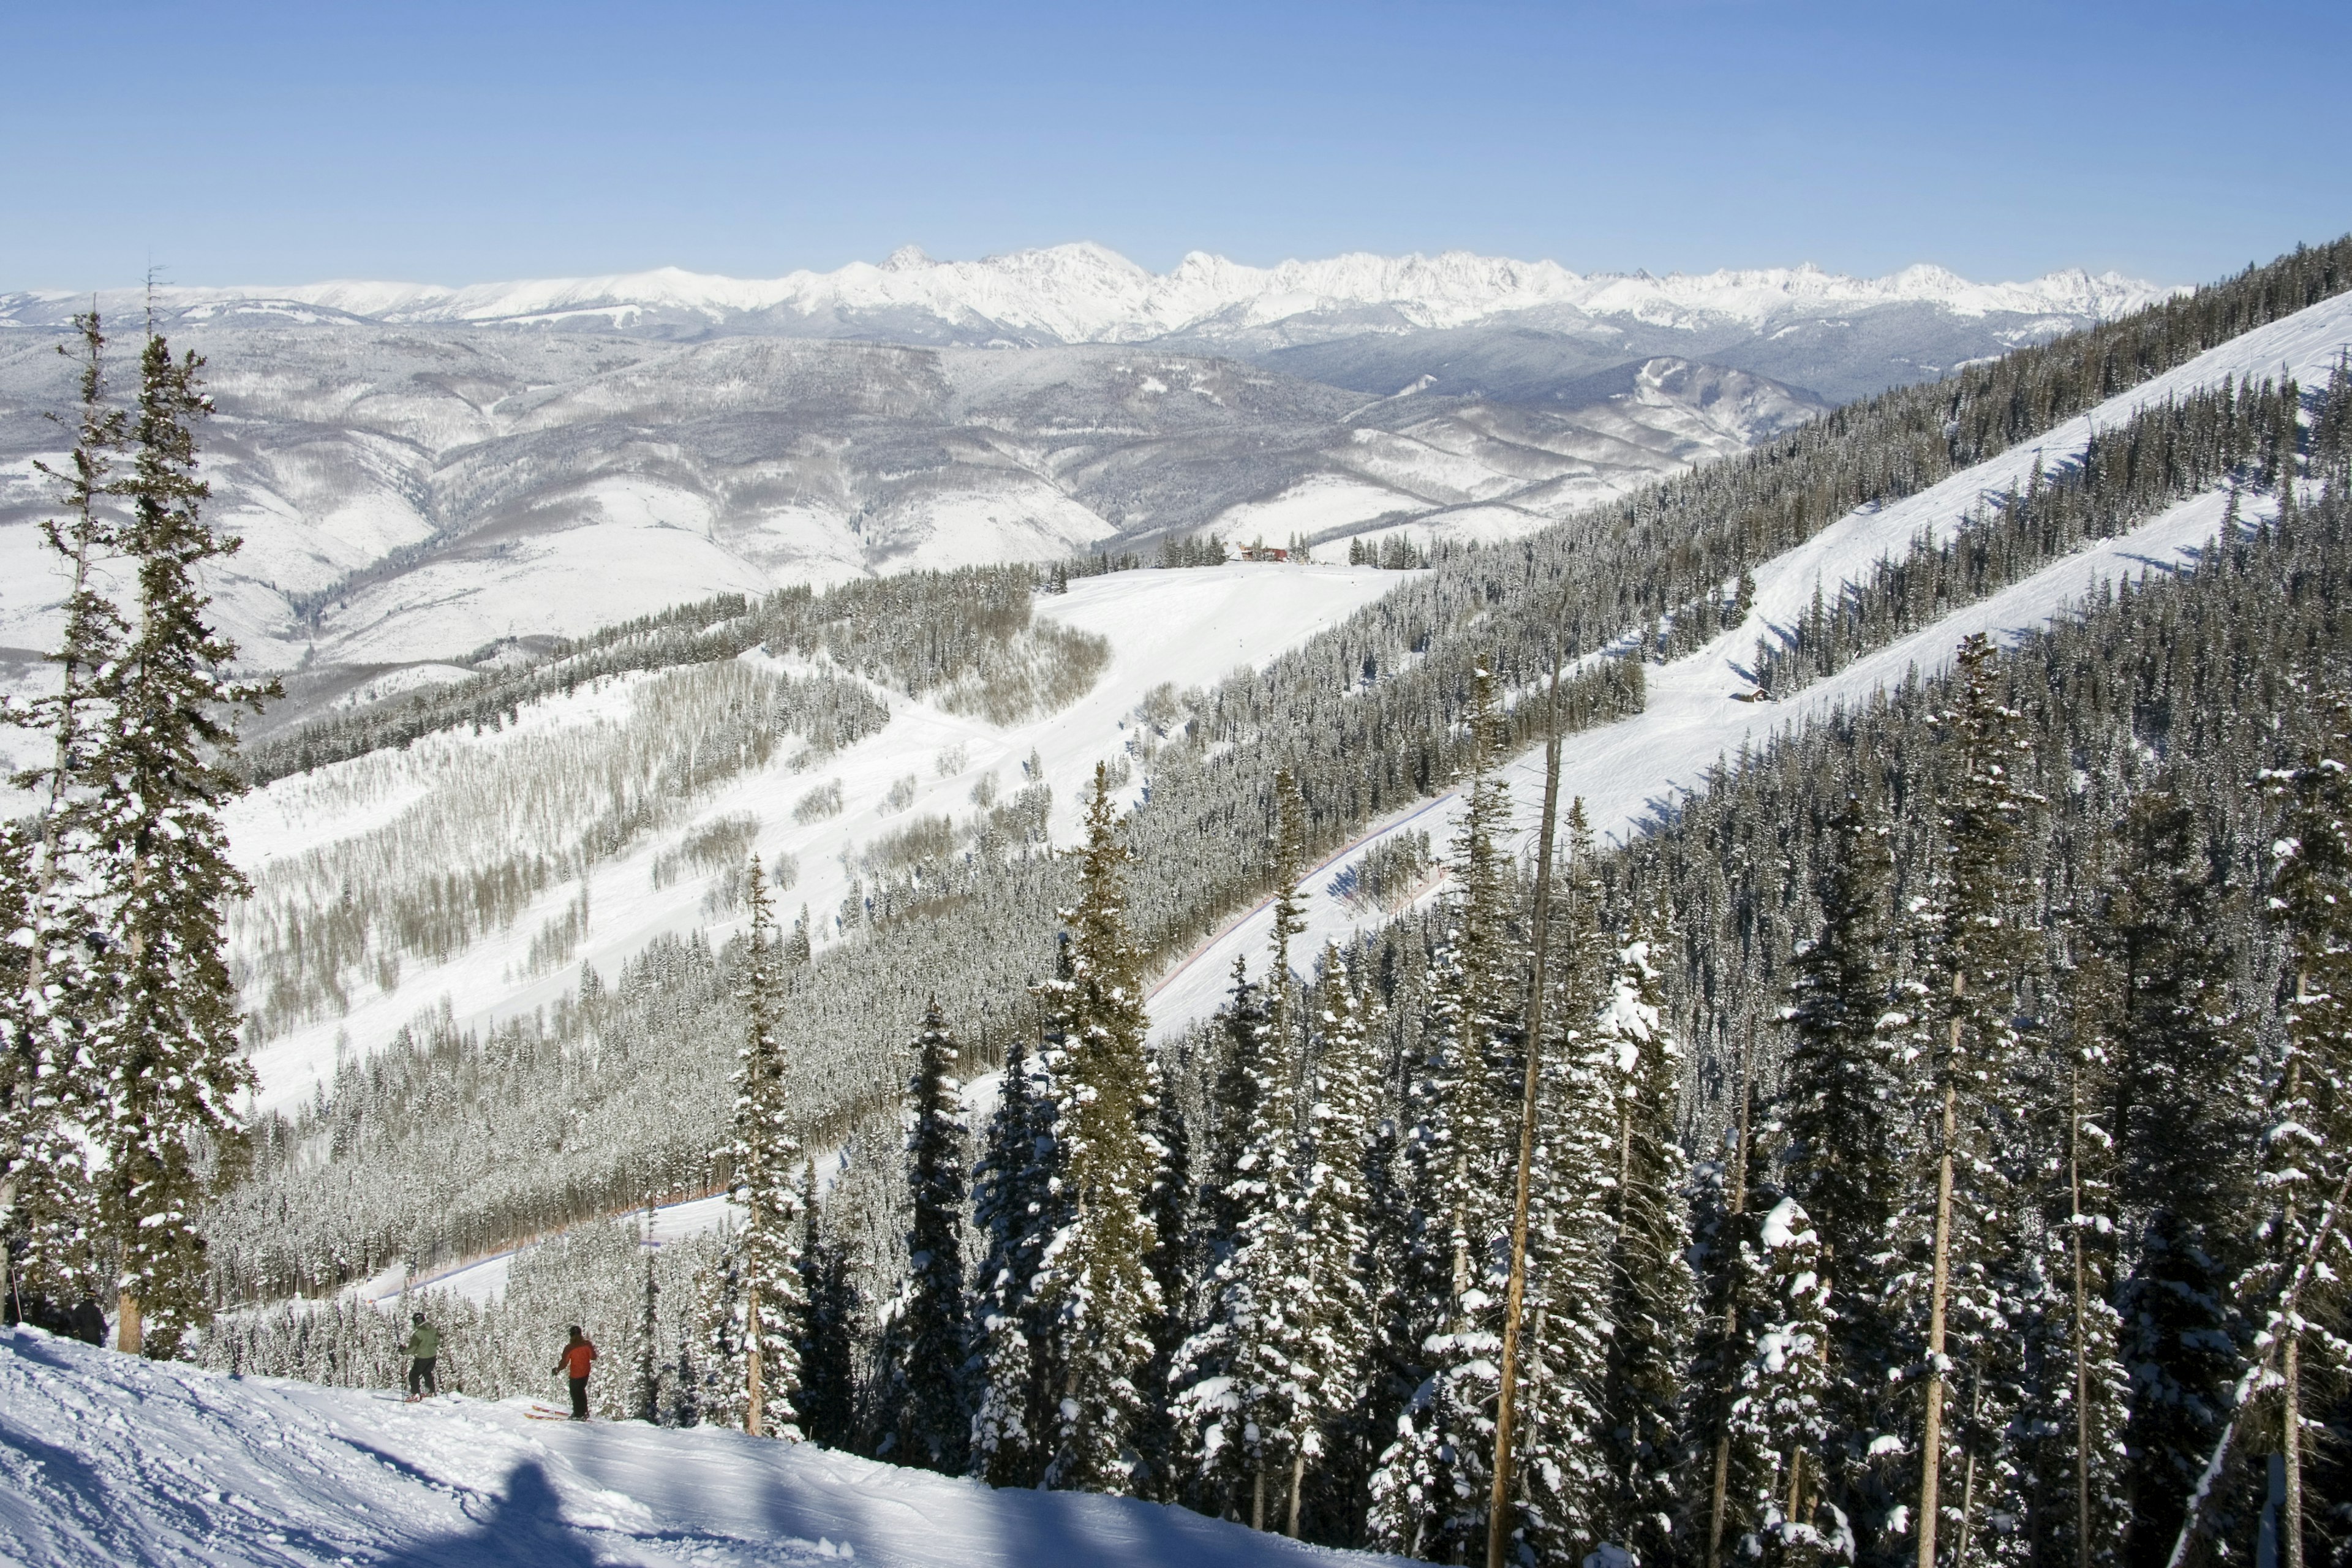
(1935,1130)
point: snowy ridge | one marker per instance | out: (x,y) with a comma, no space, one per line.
(110,1458)
(1088,293)
(1633,775)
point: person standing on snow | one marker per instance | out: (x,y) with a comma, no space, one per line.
(573,1364)
(424,1349)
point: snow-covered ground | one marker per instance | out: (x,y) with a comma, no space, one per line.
(108,1458)
(1631,775)
(1186,629)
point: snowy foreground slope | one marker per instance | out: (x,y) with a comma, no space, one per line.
(106,1458)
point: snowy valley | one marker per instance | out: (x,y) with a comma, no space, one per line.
(420,474)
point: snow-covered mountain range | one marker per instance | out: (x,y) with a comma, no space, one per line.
(1087,294)
(419,471)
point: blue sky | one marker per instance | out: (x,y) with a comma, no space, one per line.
(437,142)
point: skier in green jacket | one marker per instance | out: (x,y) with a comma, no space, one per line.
(424,1349)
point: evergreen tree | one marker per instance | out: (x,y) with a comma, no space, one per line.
(1563,1471)
(1096,1295)
(2293,1288)
(1783,1414)
(826,1398)
(772,1300)
(1232,1106)
(1969,1256)
(1334,1304)
(645,1395)
(171,1061)
(1652,1303)
(1838,1115)
(1431,1492)
(1246,1400)
(51,978)
(932,1418)
(2163,1056)
(1014,1204)
(1176,1263)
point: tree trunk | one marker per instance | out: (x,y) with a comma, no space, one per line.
(1514,1296)
(755,1400)
(1931,1429)
(127,1337)
(1297,1485)
(1258,1496)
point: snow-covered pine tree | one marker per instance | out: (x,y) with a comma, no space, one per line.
(1176,1263)
(1334,1304)
(1241,1033)
(1838,1112)
(1244,1403)
(169,1049)
(2306,1133)
(1096,1298)
(772,1300)
(645,1393)
(1014,1204)
(52,986)
(1963,1225)
(1782,1415)
(1430,1493)
(1562,1473)
(826,1399)
(2161,1111)
(721,1394)
(1652,1298)
(928,1342)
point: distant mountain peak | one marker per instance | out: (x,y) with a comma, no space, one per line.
(1086,292)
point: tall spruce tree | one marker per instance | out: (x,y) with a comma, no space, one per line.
(770,1301)
(2293,1288)
(825,1402)
(168,1047)
(1096,1295)
(1246,1399)
(1839,1111)
(930,1418)
(1652,1298)
(1015,1201)
(1782,1412)
(54,971)
(1563,1482)
(1964,1221)
(2163,1058)
(1334,1303)
(1431,1492)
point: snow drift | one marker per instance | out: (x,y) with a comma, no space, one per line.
(109,1459)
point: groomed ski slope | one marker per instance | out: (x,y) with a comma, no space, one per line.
(1631,775)
(1187,629)
(106,1458)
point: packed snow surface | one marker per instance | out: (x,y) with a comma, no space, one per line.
(111,1460)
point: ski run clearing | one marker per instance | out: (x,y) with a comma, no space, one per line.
(107,1459)
(1631,775)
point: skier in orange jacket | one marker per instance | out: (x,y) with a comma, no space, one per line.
(573,1364)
